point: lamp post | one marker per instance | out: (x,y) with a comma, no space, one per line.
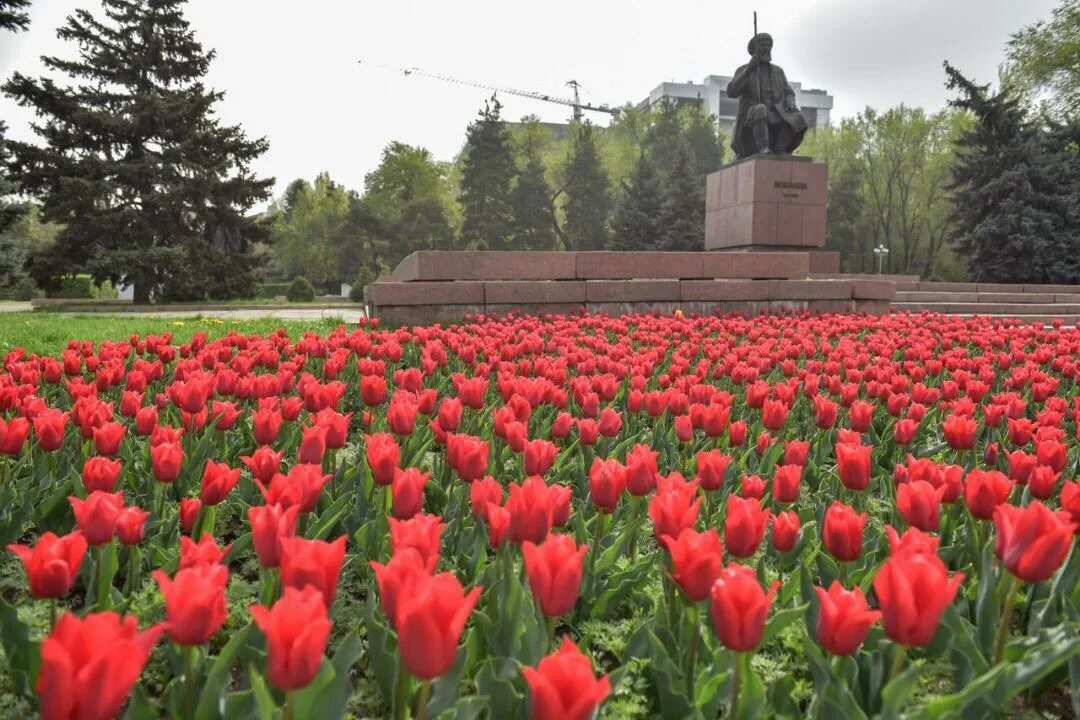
(881,251)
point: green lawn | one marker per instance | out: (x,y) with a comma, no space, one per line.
(46,333)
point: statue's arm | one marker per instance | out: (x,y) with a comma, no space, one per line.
(738,83)
(789,93)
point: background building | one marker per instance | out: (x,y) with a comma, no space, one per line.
(814,103)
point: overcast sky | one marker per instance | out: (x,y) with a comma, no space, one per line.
(290,69)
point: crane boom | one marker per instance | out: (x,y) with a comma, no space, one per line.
(576,103)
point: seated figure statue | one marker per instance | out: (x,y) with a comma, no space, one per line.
(768,120)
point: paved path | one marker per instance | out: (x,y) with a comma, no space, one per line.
(254,312)
(6,306)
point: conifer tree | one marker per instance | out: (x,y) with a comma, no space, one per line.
(637,214)
(152,189)
(681,221)
(703,141)
(14,15)
(664,138)
(534,214)
(486,180)
(1017,191)
(588,195)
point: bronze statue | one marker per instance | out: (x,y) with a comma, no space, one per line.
(768,120)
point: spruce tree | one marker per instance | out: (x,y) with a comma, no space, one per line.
(14,15)
(588,195)
(486,179)
(637,214)
(534,214)
(152,189)
(1017,191)
(681,221)
(664,138)
(703,141)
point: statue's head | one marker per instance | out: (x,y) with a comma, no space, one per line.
(760,46)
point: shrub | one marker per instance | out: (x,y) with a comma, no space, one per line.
(356,292)
(25,290)
(272,290)
(301,290)
(78,287)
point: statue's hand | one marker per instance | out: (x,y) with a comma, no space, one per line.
(755,63)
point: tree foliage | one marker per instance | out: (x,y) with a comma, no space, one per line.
(151,188)
(14,15)
(486,180)
(636,222)
(588,196)
(532,200)
(1043,63)
(1017,191)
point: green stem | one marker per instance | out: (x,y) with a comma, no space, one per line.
(52,614)
(287,713)
(669,595)
(1006,619)
(598,535)
(422,700)
(736,682)
(898,661)
(401,691)
(159,501)
(191,658)
(269,587)
(552,621)
(843,573)
(691,655)
(132,571)
(102,582)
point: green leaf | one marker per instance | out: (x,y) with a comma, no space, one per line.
(670,682)
(618,587)
(331,702)
(382,649)
(782,619)
(22,654)
(211,703)
(306,699)
(467,708)
(265,707)
(897,692)
(444,691)
(140,707)
(331,517)
(498,679)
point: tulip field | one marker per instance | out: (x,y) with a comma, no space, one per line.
(647,516)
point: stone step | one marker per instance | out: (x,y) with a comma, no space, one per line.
(986,297)
(978,308)
(927,286)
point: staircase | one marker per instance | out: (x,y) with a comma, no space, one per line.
(1034,303)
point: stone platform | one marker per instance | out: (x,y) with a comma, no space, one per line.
(438,286)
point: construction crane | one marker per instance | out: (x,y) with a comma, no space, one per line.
(576,103)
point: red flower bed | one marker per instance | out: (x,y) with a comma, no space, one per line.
(660,516)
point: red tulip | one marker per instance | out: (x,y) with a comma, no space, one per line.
(1070,501)
(89,666)
(913,590)
(673,512)
(853,464)
(408,492)
(960,431)
(712,466)
(696,561)
(312,562)
(610,422)
(919,504)
(100,473)
(189,513)
(860,415)
(194,602)
(53,564)
(1042,482)
(912,541)
(296,630)
(744,526)
(204,552)
(449,417)
(785,530)
(13,435)
(843,532)
(429,622)
(373,390)
(166,460)
(483,492)
(264,463)
(825,412)
(401,413)
(265,425)
(739,607)
(382,457)
(217,482)
(497,519)
(96,515)
(539,456)
(785,486)
(1052,453)
(269,524)
(1021,465)
(737,433)
(468,456)
(396,578)
(795,452)
(49,426)
(531,507)
(774,415)
(146,419)
(564,687)
(844,619)
(107,438)
(471,391)
(422,533)
(225,414)
(312,445)
(764,442)
(984,490)
(607,480)
(131,525)
(1032,542)
(554,570)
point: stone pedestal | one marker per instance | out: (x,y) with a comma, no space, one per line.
(767,202)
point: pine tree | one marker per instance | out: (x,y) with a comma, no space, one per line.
(1017,191)
(704,141)
(637,215)
(151,187)
(13,15)
(664,138)
(588,196)
(486,180)
(534,214)
(681,221)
